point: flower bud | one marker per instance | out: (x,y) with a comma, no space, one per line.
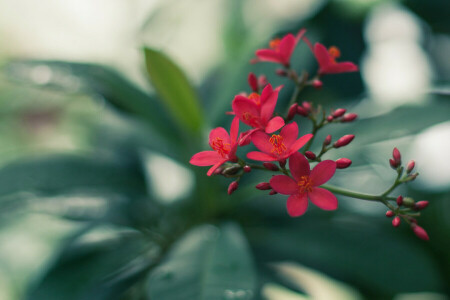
(262,81)
(410,166)
(218,171)
(420,232)
(343,163)
(263,186)
(232,187)
(400,200)
(317,84)
(231,170)
(420,205)
(330,118)
(349,118)
(282,163)
(389,214)
(310,155)
(247,169)
(344,141)
(327,140)
(292,111)
(396,221)
(270,166)
(339,112)
(409,202)
(412,177)
(307,105)
(397,156)
(393,164)
(272,192)
(302,111)
(281,72)
(253,82)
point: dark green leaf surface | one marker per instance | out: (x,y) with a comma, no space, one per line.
(174,89)
(208,263)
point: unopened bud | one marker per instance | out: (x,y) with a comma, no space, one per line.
(270,166)
(253,82)
(218,171)
(393,164)
(282,163)
(349,118)
(247,169)
(310,155)
(302,111)
(389,214)
(281,72)
(339,112)
(420,205)
(344,141)
(263,186)
(272,192)
(397,156)
(262,81)
(232,187)
(307,105)
(327,140)
(396,221)
(410,166)
(317,84)
(231,170)
(292,111)
(329,118)
(420,232)
(408,202)
(400,200)
(412,177)
(343,163)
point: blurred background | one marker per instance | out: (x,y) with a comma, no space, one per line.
(92,190)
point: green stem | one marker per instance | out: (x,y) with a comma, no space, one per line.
(352,194)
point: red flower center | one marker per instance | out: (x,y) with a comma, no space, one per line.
(334,53)
(275,44)
(255,97)
(222,148)
(277,143)
(305,184)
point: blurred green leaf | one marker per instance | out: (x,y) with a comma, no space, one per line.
(175,90)
(103,268)
(208,263)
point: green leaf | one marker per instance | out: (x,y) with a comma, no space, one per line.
(100,268)
(174,89)
(207,263)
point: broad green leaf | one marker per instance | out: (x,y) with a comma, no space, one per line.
(207,263)
(173,87)
(100,268)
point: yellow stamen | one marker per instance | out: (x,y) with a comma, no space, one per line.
(275,43)
(222,148)
(277,143)
(305,184)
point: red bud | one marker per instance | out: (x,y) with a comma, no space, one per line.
(396,221)
(302,111)
(393,164)
(253,82)
(263,186)
(262,81)
(272,192)
(270,166)
(349,117)
(317,84)
(232,187)
(420,205)
(247,169)
(310,155)
(281,72)
(343,163)
(292,111)
(339,112)
(400,200)
(397,156)
(327,140)
(389,214)
(330,118)
(282,163)
(307,105)
(344,141)
(410,166)
(420,232)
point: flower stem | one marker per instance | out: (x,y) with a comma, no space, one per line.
(352,194)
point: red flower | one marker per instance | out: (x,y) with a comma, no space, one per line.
(256,111)
(280,49)
(278,147)
(327,60)
(304,185)
(224,146)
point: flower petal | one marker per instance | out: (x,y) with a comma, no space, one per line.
(213,168)
(205,158)
(234,130)
(297,205)
(323,199)
(284,184)
(269,100)
(323,172)
(221,133)
(289,134)
(261,141)
(322,55)
(300,142)
(268,55)
(274,124)
(287,46)
(245,108)
(255,155)
(245,137)
(298,165)
(342,67)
